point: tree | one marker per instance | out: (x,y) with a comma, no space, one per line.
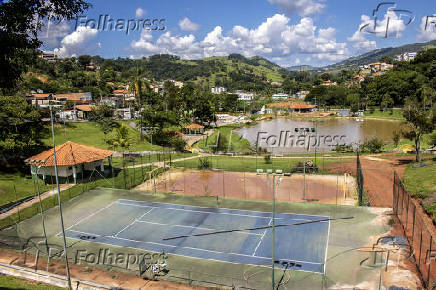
(21,129)
(107,125)
(121,138)
(20,22)
(396,136)
(420,119)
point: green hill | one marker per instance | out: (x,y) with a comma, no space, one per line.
(375,55)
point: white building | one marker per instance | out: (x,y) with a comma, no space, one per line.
(73,161)
(407,56)
(218,90)
(245,96)
(280,96)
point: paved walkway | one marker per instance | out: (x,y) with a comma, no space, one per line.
(162,163)
(29,203)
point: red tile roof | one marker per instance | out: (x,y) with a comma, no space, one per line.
(68,154)
(292,105)
(86,108)
(194,126)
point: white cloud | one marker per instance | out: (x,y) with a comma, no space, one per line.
(139,12)
(274,38)
(76,42)
(427,30)
(360,42)
(52,33)
(302,7)
(390,26)
(187,25)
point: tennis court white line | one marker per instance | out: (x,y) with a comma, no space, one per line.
(233,209)
(261,239)
(135,241)
(134,221)
(197,249)
(190,248)
(87,217)
(209,229)
(206,212)
(198,258)
(326,248)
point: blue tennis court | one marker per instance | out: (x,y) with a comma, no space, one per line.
(144,225)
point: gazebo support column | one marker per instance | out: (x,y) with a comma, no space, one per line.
(75,174)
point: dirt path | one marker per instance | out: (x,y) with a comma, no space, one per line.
(29,203)
(96,275)
(378,175)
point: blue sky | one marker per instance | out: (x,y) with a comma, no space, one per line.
(288,32)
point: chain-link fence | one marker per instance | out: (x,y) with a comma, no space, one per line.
(125,173)
(419,232)
(360,182)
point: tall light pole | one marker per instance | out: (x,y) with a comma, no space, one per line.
(67,268)
(273,215)
(273,224)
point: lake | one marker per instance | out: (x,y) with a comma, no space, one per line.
(280,136)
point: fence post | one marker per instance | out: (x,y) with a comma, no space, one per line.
(18,206)
(413,224)
(407,212)
(419,253)
(429,261)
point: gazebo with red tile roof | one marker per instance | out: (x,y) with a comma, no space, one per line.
(71,158)
(194,129)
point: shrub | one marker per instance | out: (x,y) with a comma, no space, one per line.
(307,167)
(177,143)
(204,163)
(343,148)
(267,159)
(396,136)
(373,145)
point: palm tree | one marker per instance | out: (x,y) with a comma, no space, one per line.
(121,140)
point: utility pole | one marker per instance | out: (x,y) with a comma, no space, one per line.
(59,198)
(273,231)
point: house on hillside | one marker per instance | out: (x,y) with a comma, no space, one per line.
(280,96)
(244,96)
(76,98)
(329,83)
(218,90)
(83,111)
(75,162)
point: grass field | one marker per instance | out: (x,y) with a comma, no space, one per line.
(125,179)
(342,263)
(24,187)
(248,164)
(8,282)
(421,184)
(117,161)
(237,143)
(88,133)
(396,114)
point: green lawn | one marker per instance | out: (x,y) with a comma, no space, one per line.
(125,179)
(8,282)
(396,114)
(24,187)
(425,142)
(421,182)
(237,144)
(242,164)
(117,161)
(88,133)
